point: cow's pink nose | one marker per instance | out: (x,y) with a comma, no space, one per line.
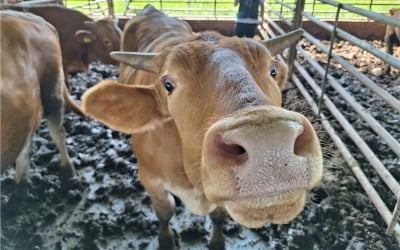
(273,144)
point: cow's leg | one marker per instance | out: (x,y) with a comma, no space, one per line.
(389,49)
(57,133)
(164,205)
(22,169)
(217,240)
(51,93)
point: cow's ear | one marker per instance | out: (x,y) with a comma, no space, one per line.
(85,36)
(125,108)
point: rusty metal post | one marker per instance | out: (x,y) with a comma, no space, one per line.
(298,17)
(111,12)
(333,36)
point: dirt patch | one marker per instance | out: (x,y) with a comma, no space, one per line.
(107,208)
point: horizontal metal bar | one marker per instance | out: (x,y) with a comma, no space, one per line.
(347,36)
(370,155)
(361,144)
(370,14)
(391,220)
(352,163)
(386,96)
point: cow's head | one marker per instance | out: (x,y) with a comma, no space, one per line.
(395,12)
(101,37)
(249,155)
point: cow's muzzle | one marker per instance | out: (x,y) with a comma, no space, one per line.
(259,159)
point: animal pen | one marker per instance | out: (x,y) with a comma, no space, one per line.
(351,22)
(286,15)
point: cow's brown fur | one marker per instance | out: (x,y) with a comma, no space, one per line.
(220,137)
(95,42)
(392,35)
(32,86)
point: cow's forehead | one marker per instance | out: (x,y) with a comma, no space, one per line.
(216,54)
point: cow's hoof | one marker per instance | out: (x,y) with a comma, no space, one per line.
(216,245)
(19,195)
(67,172)
(166,240)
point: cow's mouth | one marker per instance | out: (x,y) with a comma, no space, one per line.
(254,212)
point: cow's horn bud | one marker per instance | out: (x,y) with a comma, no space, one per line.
(89,24)
(138,60)
(277,44)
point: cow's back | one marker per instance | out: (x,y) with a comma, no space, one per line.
(29,50)
(66,21)
(150,31)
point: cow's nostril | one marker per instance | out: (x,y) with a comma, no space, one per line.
(230,151)
(303,141)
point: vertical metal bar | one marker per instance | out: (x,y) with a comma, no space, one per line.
(333,36)
(215,8)
(370,4)
(161,5)
(90,7)
(298,16)
(313,8)
(111,12)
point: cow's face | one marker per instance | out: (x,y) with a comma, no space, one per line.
(101,37)
(239,146)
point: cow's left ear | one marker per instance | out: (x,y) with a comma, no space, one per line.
(85,36)
(125,108)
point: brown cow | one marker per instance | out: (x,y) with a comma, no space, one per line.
(82,40)
(207,123)
(32,84)
(392,35)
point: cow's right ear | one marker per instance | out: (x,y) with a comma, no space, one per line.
(85,36)
(125,108)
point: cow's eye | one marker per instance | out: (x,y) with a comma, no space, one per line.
(273,71)
(107,43)
(169,85)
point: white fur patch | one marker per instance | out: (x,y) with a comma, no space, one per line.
(193,199)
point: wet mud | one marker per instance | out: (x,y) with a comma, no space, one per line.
(106,207)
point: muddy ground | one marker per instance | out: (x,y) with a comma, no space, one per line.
(107,208)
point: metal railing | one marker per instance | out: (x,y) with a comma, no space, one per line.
(319,98)
(328,11)
(223,8)
(391,219)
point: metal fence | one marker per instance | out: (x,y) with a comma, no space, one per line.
(314,12)
(319,98)
(279,10)
(223,8)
